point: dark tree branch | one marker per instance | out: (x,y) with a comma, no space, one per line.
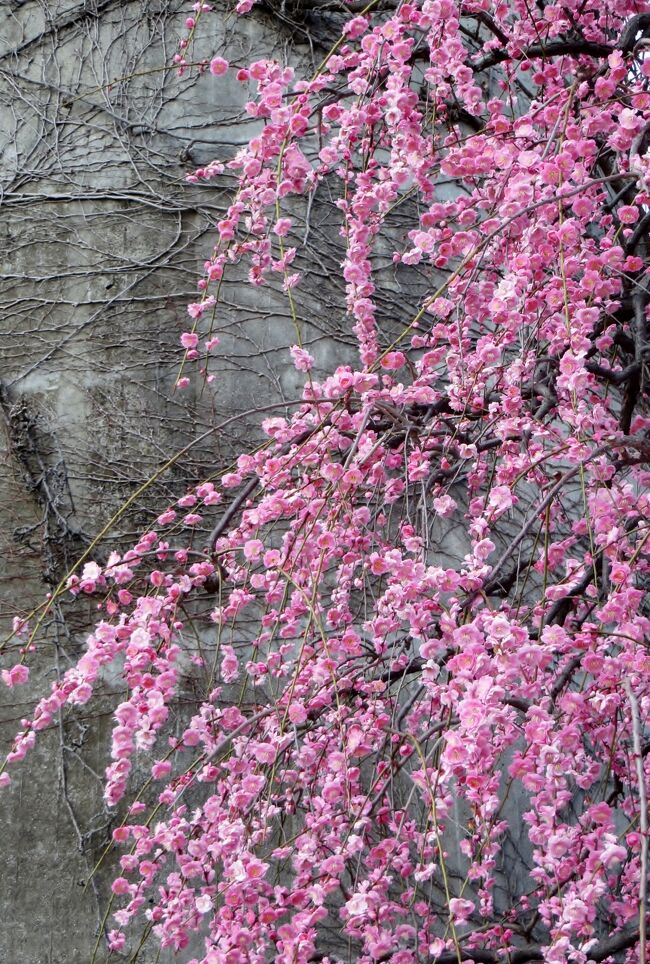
(635,25)
(604,949)
(556,48)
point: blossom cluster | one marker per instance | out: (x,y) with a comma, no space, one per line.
(431,580)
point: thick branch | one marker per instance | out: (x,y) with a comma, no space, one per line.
(556,48)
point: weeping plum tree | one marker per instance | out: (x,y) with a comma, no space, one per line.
(426,633)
